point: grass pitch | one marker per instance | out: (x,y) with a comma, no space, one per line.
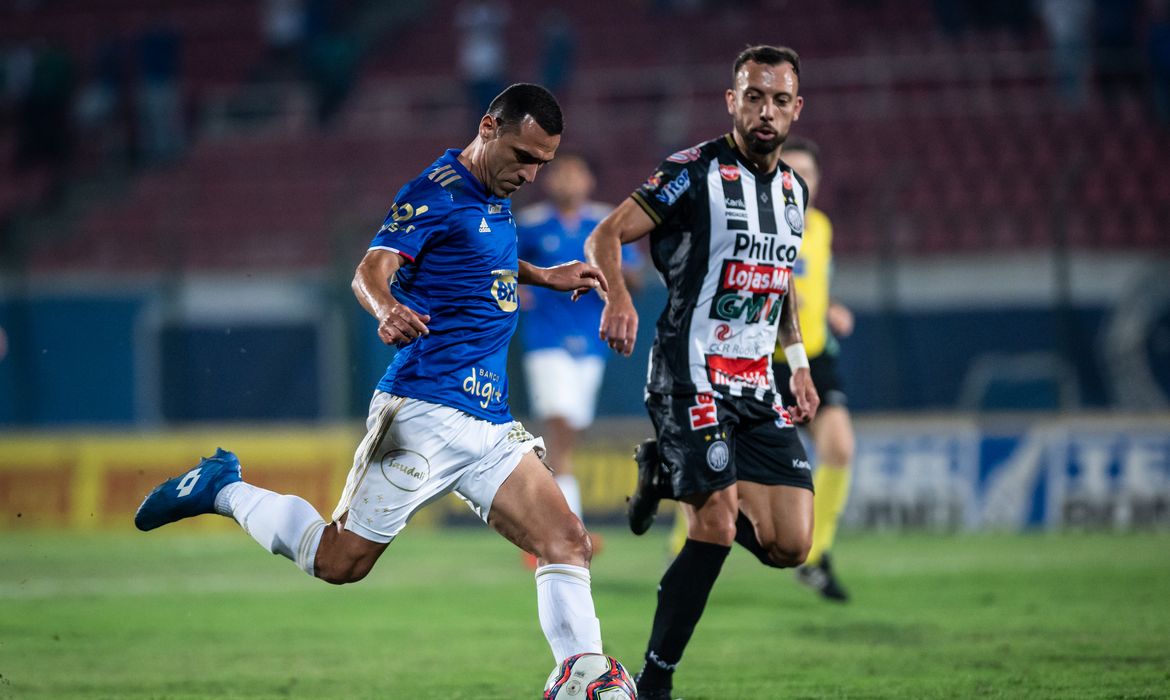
(451,614)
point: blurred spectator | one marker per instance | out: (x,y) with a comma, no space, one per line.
(333,60)
(159,96)
(284,28)
(1067,24)
(16,70)
(43,134)
(672,125)
(1158,49)
(1119,67)
(559,49)
(950,16)
(482,54)
(99,113)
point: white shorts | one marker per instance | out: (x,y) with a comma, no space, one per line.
(416,452)
(560,385)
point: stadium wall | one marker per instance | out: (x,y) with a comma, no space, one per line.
(996,332)
(911,472)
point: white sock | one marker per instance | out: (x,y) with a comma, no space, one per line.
(565,605)
(572,491)
(285,525)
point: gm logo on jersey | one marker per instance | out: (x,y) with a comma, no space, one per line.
(504,290)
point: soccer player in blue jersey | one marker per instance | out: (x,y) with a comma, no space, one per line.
(440,278)
(564,358)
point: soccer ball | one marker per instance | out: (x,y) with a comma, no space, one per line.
(590,677)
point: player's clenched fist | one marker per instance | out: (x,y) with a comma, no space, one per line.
(619,324)
(400,325)
(807,399)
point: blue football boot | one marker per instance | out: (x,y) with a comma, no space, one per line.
(190,494)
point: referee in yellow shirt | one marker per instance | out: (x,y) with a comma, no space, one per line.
(822,321)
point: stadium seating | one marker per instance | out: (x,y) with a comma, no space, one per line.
(931,144)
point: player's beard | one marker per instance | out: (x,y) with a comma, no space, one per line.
(757,146)
(761,147)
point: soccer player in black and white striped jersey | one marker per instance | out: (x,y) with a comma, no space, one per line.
(725,220)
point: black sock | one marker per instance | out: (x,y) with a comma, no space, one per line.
(682,595)
(745,535)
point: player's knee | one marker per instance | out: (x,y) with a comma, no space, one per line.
(567,544)
(340,571)
(719,530)
(788,552)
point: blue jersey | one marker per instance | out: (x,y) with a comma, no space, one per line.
(460,244)
(552,319)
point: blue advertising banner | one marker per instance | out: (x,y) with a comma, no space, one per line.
(1059,473)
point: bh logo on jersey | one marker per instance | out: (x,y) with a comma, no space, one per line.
(504,290)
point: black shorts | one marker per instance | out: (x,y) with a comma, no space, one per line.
(710,443)
(825,378)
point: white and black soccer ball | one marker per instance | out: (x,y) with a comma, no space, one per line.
(590,677)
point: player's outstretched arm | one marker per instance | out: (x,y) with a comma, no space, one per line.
(619,320)
(397,324)
(801,383)
(574,276)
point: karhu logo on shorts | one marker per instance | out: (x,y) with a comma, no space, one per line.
(189,480)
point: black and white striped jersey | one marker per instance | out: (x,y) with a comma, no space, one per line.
(725,241)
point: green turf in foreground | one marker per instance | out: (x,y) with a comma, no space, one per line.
(451,614)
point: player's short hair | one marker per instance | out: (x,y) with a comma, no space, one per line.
(768,56)
(795,144)
(525,99)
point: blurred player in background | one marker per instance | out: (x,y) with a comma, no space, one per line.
(440,278)
(564,359)
(822,321)
(725,220)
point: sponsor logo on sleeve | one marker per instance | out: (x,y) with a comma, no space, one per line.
(685,156)
(674,189)
(399,215)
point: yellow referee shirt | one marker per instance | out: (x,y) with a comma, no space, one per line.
(812,272)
